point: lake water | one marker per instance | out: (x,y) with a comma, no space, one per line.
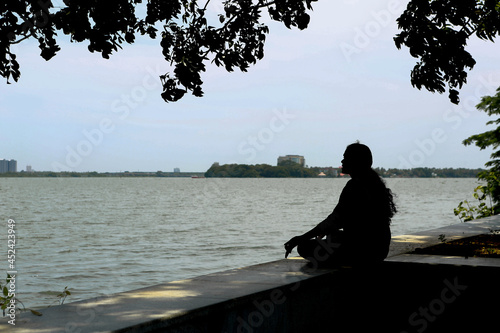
(105,235)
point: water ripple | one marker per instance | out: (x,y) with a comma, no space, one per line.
(104,235)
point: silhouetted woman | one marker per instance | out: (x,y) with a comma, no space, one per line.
(358,229)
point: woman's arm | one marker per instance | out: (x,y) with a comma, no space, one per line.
(327,226)
(332,223)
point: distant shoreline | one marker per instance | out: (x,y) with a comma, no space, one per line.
(386,173)
(69,174)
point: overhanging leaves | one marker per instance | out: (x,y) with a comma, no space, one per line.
(436,32)
(188,40)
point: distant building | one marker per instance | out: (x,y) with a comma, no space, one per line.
(29,169)
(177,170)
(8,166)
(329,171)
(12,166)
(294,158)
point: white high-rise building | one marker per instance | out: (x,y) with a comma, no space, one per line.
(294,158)
(8,166)
(12,166)
(4,166)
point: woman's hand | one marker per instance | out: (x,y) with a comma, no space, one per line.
(292,243)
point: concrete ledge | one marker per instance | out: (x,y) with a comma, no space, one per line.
(290,296)
(172,303)
(446,260)
(408,243)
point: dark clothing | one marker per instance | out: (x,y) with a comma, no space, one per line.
(362,214)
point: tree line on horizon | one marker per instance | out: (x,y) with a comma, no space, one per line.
(289,169)
(263,171)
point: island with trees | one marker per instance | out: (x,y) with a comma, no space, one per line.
(294,170)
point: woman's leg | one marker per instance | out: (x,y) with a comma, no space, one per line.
(322,251)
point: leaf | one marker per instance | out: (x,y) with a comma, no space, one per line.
(36,313)
(303,21)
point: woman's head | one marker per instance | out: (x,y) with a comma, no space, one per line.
(358,161)
(357,158)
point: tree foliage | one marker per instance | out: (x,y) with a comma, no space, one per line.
(490,139)
(467,211)
(429,172)
(261,170)
(295,170)
(188,38)
(436,32)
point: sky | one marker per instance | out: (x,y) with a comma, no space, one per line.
(315,92)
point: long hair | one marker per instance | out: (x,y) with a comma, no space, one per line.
(363,160)
(389,207)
